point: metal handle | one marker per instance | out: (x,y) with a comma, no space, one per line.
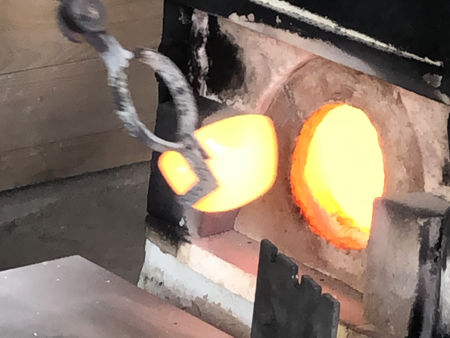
(87,18)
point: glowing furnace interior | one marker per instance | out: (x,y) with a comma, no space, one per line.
(337,178)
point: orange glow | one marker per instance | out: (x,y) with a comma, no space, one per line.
(243,155)
(337,178)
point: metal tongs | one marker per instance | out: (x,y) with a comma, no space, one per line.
(86,20)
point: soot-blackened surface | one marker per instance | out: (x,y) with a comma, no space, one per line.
(226,71)
(418,27)
(161,200)
(175,42)
(429,254)
(446,166)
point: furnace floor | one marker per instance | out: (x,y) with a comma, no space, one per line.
(99,216)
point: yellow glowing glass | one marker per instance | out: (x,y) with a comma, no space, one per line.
(243,153)
(336,174)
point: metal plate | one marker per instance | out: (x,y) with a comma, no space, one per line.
(72,297)
(285,308)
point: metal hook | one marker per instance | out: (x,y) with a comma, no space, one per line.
(87,18)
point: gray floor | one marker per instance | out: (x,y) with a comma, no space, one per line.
(98,216)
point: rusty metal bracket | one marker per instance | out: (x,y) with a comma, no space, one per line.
(87,18)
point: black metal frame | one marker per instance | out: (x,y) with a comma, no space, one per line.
(285,308)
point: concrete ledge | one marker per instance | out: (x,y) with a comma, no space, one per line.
(167,277)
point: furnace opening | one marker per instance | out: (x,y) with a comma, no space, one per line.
(337,171)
